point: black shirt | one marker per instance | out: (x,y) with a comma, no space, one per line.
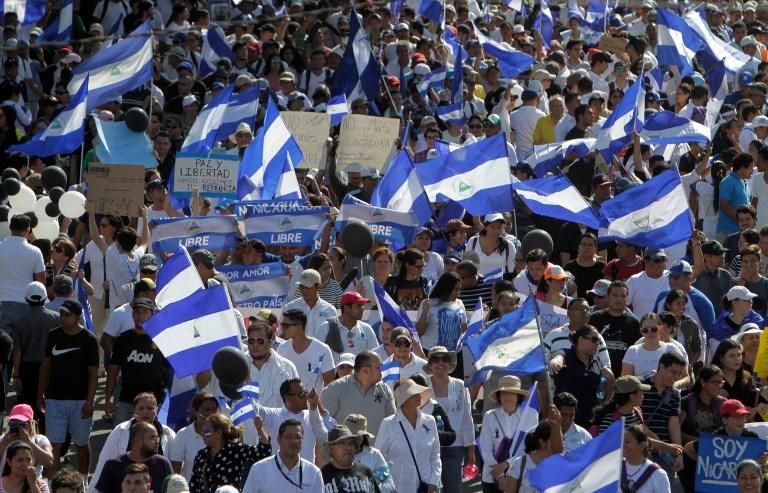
(585,277)
(581,381)
(358,479)
(111,477)
(619,333)
(142,365)
(229,466)
(72,356)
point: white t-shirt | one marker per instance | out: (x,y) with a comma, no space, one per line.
(523,121)
(97,261)
(433,267)
(120,320)
(657,483)
(19,262)
(184,448)
(496,260)
(575,437)
(515,464)
(359,338)
(643,292)
(122,270)
(316,354)
(646,361)
(760,190)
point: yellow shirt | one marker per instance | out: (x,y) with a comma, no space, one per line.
(544,133)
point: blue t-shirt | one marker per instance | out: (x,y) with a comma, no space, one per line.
(736,192)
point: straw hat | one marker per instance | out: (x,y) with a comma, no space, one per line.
(508,383)
(408,389)
(358,424)
(440,350)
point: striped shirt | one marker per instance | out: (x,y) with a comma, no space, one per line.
(630,419)
(658,408)
(469,296)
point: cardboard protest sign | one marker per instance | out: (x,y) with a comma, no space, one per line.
(116,189)
(718,457)
(367,140)
(213,176)
(310,130)
(613,45)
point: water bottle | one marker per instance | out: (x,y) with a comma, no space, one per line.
(440,424)
(601,388)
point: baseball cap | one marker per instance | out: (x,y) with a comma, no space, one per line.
(398,333)
(346,359)
(62,284)
(202,256)
(758,122)
(189,100)
(492,218)
(600,288)
(733,407)
(493,120)
(71,307)
(424,230)
(713,247)
(148,262)
(600,179)
(679,268)
(144,285)
(629,384)
(175,483)
(35,292)
(185,65)
(21,412)
(353,298)
(451,259)
(309,278)
(747,41)
(740,293)
(655,254)
(402,27)
(554,271)
(144,303)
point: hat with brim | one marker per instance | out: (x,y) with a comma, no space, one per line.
(508,383)
(408,389)
(440,350)
(629,384)
(242,128)
(358,424)
(746,329)
(339,433)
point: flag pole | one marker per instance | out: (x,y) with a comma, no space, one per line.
(547,378)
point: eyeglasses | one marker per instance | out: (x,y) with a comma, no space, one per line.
(402,343)
(658,260)
(440,359)
(653,329)
(594,339)
(300,395)
(418,266)
(258,340)
(475,127)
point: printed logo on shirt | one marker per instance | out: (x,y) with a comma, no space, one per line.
(351,484)
(59,352)
(137,357)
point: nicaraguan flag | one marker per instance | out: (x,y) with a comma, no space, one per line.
(717,80)
(434,80)
(177,278)
(443,147)
(556,197)
(27,11)
(175,410)
(390,372)
(209,232)
(242,411)
(493,276)
(338,108)
(242,108)
(264,161)
(66,132)
(626,118)
(432,10)
(250,390)
(476,176)
(475,324)
(529,419)
(512,344)
(358,73)
(288,223)
(511,61)
(190,331)
(665,127)
(263,285)
(654,214)
(678,43)
(60,29)
(715,49)
(385,224)
(82,297)
(214,48)
(202,136)
(391,311)
(545,157)
(401,190)
(593,467)
(116,70)
(544,23)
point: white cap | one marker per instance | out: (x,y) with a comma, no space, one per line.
(422,69)
(740,293)
(747,41)
(496,216)
(346,359)
(758,121)
(35,292)
(189,100)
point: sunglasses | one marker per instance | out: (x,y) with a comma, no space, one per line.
(653,329)
(301,395)
(594,339)
(440,359)
(402,343)
(259,340)
(475,127)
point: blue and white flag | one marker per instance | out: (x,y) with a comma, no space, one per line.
(242,108)
(678,43)
(626,118)
(116,70)
(391,311)
(60,29)
(476,176)
(545,157)
(717,80)
(475,324)
(214,48)
(177,278)
(190,331)
(202,136)
(654,214)
(493,276)
(434,80)
(390,372)
(257,286)
(443,147)
(338,108)
(556,197)
(174,412)
(511,61)
(66,132)
(529,419)
(27,11)
(401,190)
(358,74)
(209,232)
(715,49)
(385,224)
(432,10)
(82,297)
(451,113)
(242,411)
(544,24)
(250,390)
(594,467)
(281,223)
(512,344)
(665,127)
(264,162)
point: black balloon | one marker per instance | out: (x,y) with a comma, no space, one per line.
(11,186)
(52,210)
(10,173)
(357,238)
(53,176)
(4,210)
(231,366)
(55,194)
(537,238)
(32,217)
(136,119)
(230,391)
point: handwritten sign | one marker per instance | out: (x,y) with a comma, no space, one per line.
(311,132)
(116,189)
(213,176)
(367,140)
(613,45)
(718,457)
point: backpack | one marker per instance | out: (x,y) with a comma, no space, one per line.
(502,248)
(644,477)
(594,430)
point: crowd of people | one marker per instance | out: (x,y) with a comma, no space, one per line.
(665,339)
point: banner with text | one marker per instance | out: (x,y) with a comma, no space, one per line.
(385,224)
(311,133)
(213,176)
(286,223)
(209,232)
(367,140)
(257,286)
(718,457)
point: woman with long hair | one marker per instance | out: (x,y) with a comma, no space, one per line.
(676,303)
(750,476)
(408,287)
(338,258)
(587,267)
(189,440)
(441,318)
(642,358)
(493,247)
(545,440)
(702,200)
(225,460)
(638,473)
(330,289)
(738,383)
(552,286)
(433,262)
(19,475)
(700,409)
(22,427)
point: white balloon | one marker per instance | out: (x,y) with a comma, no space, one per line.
(40,207)
(46,229)
(72,204)
(5,232)
(24,201)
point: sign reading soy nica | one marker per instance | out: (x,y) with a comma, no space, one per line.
(718,457)
(213,176)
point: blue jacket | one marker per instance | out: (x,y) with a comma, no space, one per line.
(722,329)
(700,303)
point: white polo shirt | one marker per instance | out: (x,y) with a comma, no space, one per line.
(316,315)
(271,475)
(316,355)
(19,262)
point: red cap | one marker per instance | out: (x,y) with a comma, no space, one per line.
(392,81)
(353,298)
(21,412)
(419,58)
(254,47)
(733,407)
